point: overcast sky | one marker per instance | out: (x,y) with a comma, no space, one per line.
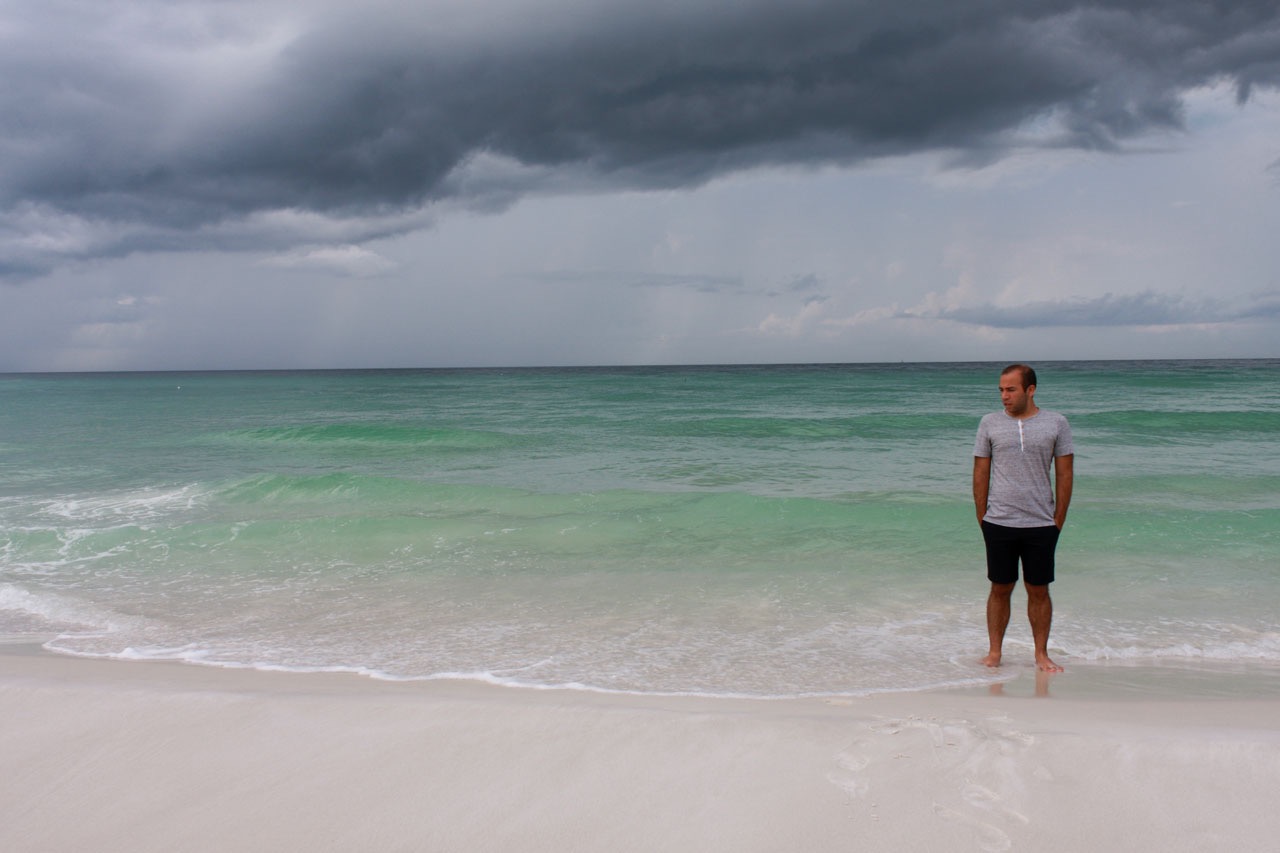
(317,183)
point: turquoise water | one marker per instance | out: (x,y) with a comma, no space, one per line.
(765,531)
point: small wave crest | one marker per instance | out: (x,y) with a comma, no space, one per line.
(363,491)
(1262,647)
(803,429)
(130,506)
(964,676)
(378,436)
(23,611)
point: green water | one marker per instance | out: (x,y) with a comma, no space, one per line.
(744,530)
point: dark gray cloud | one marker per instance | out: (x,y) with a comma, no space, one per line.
(151,124)
(1141,309)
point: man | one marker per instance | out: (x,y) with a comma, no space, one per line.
(1021,513)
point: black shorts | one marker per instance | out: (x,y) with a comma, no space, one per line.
(1034,546)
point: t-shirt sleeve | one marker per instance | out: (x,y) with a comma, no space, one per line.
(982,444)
(1064,446)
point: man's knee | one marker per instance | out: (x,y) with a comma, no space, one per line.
(1037,592)
(1002,590)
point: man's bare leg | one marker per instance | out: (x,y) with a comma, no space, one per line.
(1040,612)
(997,620)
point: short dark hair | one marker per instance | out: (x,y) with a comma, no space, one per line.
(1025,371)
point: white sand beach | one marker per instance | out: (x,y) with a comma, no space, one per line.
(116,756)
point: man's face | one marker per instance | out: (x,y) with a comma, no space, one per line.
(1015,398)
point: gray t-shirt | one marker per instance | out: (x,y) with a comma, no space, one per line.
(1022,453)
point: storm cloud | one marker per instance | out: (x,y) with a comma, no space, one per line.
(159,125)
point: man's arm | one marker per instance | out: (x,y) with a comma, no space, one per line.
(982,484)
(1063,467)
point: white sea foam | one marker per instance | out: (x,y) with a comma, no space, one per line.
(54,612)
(1264,647)
(134,506)
(207,657)
(716,664)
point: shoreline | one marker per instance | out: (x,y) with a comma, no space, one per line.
(147,755)
(1106,680)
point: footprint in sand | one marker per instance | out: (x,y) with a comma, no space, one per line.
(989,836)
(984,798)
(975,771)
(849,776)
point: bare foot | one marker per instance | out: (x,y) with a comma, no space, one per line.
(1045,664)
(992,659)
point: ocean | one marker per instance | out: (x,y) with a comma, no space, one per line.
(766,531)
